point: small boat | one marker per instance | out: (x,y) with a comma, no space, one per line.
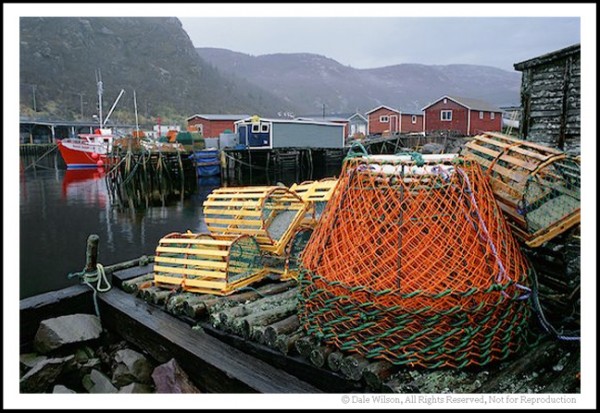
(88,150)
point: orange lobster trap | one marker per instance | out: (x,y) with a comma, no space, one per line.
(537,187)
(413,263)
(205,263)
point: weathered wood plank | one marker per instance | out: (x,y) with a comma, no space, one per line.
(212,364)
(33,310)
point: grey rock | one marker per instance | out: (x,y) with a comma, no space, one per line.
(170,378)
(83,354)
(136,388)
(43,374)
(59,388)
(28,360)
(97,382)
(431,148)
(131,367)
(56,332)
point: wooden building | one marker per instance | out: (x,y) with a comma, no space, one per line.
(464,116)
(355,124)
(263,133)
(212,125)
(551,99)
(384,119)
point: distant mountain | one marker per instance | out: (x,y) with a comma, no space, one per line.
(154,56)
(310,81)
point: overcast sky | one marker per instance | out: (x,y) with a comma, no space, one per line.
(383,41)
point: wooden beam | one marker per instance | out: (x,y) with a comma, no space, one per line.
(213,365)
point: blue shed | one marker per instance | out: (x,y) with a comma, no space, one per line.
(262,133)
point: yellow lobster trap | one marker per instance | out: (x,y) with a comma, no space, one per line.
(537,187)
(205,263)
(316,194)
(269,214)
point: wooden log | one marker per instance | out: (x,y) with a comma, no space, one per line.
(211,364)
(318,356)
(525,364)
(132,286)
(334,360)
(147,294)
(120,275)
(568,381)
(261,292)
(198,309)
(304,345)
(263,318)
(161,296)
(352,366)
(375,374)
(287,325)
(257,333)
(286,343)
(176,303)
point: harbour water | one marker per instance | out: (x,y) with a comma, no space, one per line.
(60,208)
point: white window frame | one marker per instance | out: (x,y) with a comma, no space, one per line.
(448,118)
(255,128)
(384,119)
(413,119)
(492,115)
(264,128)
(480,114)
(445,100)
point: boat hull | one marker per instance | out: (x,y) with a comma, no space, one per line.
(79,155)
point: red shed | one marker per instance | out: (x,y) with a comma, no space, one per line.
(384,118)
(211,126)
(381,119)
(463,115)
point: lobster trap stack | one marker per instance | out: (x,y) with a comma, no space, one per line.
(413,263)
(537,187)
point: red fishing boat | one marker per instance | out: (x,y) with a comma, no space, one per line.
(88,150)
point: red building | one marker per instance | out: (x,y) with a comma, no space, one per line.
(211,126)
(462,115)
(384,119)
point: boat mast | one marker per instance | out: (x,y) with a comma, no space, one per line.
(100,90)
(137,127)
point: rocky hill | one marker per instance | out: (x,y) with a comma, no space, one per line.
(59,59)
(311,81)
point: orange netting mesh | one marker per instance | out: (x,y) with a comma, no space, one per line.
(412,262)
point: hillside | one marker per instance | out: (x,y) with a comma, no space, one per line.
(59,57)
(309,81)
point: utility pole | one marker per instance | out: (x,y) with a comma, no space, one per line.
(33,87)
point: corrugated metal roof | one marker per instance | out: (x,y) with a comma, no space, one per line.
(469,103)
(218,117)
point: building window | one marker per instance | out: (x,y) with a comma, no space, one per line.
(264,128)
(492,115)
(384,119)
(446,115)
(480,115)
(445,100)
(255,128)
(413,119)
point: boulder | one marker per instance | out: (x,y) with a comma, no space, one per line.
(28,360)
(136,388)
(56,332)
(44,374)
(432,148)
(131,367)
(59,388)
(170,378)
(97,382)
